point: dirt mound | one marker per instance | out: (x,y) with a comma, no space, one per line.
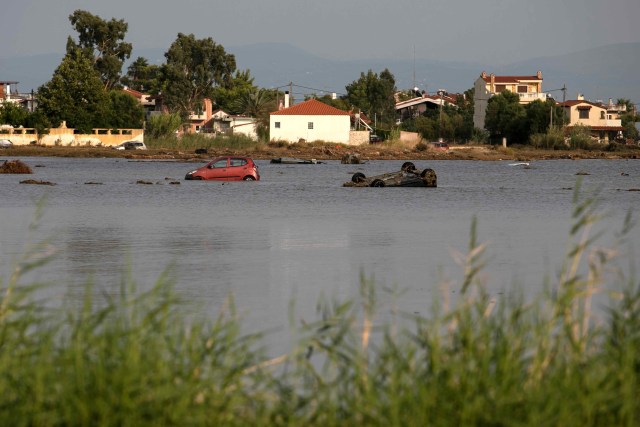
(14,166)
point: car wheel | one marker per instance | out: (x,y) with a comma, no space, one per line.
(358,177)
(248,178)
(429,178)
(377,183)
(408,167)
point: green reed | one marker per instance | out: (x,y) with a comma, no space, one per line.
(478,359)
(195,141)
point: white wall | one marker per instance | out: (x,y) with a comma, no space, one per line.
(325,128)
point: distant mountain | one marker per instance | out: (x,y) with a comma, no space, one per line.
(599,73)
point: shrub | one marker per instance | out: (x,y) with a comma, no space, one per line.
(580,137)
(550,140)
(421,146)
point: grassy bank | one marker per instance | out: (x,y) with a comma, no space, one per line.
(136,360)
(185,149)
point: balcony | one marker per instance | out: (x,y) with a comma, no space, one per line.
(530,97)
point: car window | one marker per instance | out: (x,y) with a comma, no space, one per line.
(238,162)
(220,164)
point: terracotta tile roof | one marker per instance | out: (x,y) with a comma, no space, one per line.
(575,102)
(312,107)
(133,92)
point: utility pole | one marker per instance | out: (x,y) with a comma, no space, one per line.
(441,92)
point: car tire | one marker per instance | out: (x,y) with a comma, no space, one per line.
(377,183)
(408,167)
(248,178)
(429,178)
(358,177)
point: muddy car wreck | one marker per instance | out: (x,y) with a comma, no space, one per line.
(407,176)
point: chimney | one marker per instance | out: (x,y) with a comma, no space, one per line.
(286,99)
(580,97)
(539,75)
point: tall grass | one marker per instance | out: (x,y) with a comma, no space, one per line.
(476,360)
(194,141)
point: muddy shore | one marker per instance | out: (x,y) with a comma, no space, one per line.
(330,152)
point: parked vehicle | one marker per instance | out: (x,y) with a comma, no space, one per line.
(131,145)
(227,168)
(440,146)
(5,143)
(408,176)
(374,138)
(294,161)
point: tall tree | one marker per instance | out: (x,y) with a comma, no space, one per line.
(540,115)
(102,42)
(74,94)
(193,68)
(257,103)
(125,111)
(505,117)
(142,76)
(227,95)
(374,95)
(629,119)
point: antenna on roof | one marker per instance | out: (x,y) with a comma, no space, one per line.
(414,66)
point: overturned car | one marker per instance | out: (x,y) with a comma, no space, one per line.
(407,176)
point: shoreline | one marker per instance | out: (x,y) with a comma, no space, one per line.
(330,152)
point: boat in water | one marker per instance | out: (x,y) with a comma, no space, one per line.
(294,161)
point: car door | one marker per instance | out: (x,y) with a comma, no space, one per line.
(237,167)
(218,169)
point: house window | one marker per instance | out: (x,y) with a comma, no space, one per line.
(500,88)
(277,125)
(310,125)
(602,115)
(584,114)
(522,89)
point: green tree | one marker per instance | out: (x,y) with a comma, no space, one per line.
(629,119)
(102,42)
(192,70)
(13,114)
(227,94)
(339,103)
(374,95)
(124,111)
(258,104)
(505,117)
(75,94)
(143,77)
(541,114)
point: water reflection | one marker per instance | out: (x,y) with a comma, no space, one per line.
(298,234)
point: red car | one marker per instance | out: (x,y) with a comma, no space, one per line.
(227,168)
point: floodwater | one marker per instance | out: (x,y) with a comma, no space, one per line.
(298,234)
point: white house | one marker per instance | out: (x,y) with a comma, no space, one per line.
(310,121)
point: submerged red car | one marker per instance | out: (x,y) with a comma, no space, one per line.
(227,168)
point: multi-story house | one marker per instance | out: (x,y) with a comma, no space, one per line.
(528,89)
(9,93)
(602,119)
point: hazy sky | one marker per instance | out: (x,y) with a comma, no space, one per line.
(501,31)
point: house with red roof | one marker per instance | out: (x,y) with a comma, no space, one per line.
(308,121)
(528,89)
(603,120)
